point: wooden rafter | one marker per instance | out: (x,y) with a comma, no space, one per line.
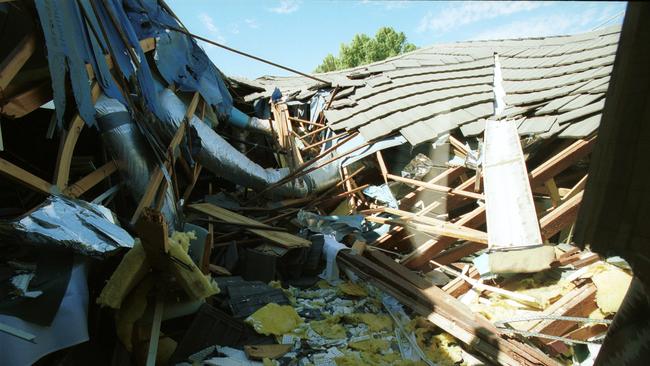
(84,184)
(24,177)
(68,143)
(549,169)
(16,59)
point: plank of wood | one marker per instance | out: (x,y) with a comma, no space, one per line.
(577,188)
(441,227)
(27,101)
(382,167)
(436,187)
(446,230)
(410,276)
(445,178)
(561,217)
(553,192)
(24,177)
(561,161)
(459,286)
(580,304)
(195,176)
(15,60)
(154,336)
(149,193)
(449,314)
(84,184)
(283,239)
(68,143)
(458,145)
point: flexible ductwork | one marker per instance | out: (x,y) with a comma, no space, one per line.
(239,119)
(129,148)
(218,156)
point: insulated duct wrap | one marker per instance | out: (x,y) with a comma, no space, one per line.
(260,125)
(222,159)
(59,222)
(129,148)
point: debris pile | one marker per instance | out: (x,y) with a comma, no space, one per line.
(415,211)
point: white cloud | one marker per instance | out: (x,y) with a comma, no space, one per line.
(387,4)
(208,23)
(252,23)
(463,13)
(549,25)
(286,7)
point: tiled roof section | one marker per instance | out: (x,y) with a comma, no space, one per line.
(555,86)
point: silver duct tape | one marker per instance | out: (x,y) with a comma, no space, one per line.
(135,161)
(83,227)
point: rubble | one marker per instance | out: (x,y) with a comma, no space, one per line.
(360,217)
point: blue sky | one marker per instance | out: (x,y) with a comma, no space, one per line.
(299,33)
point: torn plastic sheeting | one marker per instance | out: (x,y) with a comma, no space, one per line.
(335,226)
(317,104)
(383,194)
(71,45)
(68,328)
(75,224)
(129,148)
(183,63)
(331,249)
(368,150)
(66,42)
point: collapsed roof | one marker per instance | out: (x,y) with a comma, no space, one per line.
(554,86)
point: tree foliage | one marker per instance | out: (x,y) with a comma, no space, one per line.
(364,50)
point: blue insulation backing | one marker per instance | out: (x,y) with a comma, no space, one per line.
(72,29)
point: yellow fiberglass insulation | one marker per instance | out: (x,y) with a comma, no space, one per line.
(374,322)
(370,345)
(368,359)
(352,289)
(442,348)
(182,238)
(329,328)
(274,319)
(611,286)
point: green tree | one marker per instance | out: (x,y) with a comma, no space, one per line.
(364,50)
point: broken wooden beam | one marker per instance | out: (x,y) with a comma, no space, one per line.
(449,314)
(282,239)
(561,217)
(15,60)
(436,187)
(24,177)
(68,142)
(84,184)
